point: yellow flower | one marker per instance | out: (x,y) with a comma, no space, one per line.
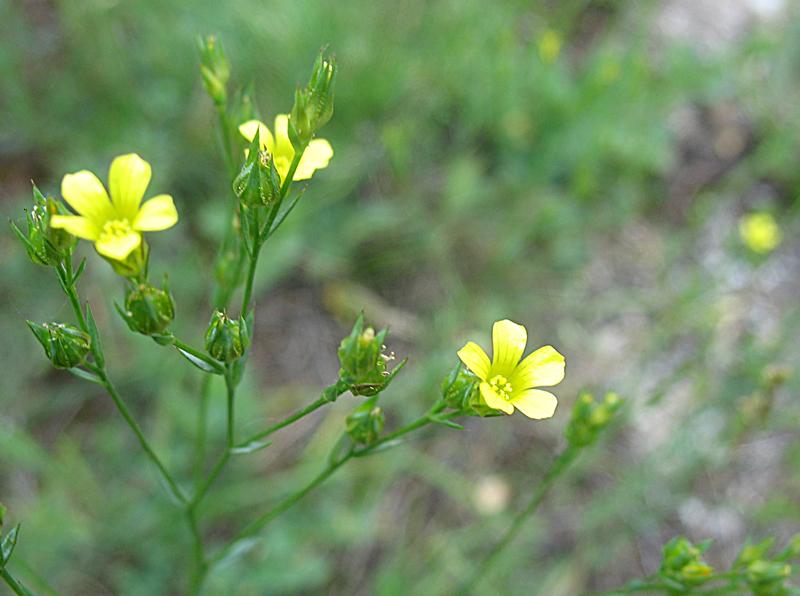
(114,225)
(315,157)
(760,232)
(507,383)
(549,46)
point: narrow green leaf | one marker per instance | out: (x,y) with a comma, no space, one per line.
(97,347)
(250,447)
(79,271)
(8,544)
(85,375)
(445,422)
(202,365)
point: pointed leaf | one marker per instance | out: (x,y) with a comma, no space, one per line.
(250,447)
(97,347)
(202,365)
(8,544)
(85,375)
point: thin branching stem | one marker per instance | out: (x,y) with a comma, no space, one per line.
(557,468)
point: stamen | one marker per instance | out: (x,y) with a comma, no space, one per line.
(501,386)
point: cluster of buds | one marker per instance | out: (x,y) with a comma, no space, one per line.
(363,361)
(313,106)
(682,562)
(461,392)
(763,573)
(65,346)
(258,182)
(226,339)
(45,245)
(590,417)
(365,424)
(148,310)
(214,68)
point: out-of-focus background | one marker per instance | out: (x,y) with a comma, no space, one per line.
(581,167)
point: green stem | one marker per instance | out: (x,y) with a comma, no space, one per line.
(258,237)
(126,414)
(321,401)
(198,354)
(13,583)
(254,527)
(557,468)
(202,428)
(72,294)
(230,387)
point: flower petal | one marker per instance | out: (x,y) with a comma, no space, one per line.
(541,368)
(158,213)
(128,178)
(86,194)
(508,344)
(495,401)
(315,157)
(283,146)
(82,227)
(473,356)
(265,139)
(536,404)
(118,247)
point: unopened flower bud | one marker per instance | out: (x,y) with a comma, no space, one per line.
(763,575)
(226,339)
(682,562)
(66,346)
(313,105)
(365,423)
(44,244)
(148,310)
(363,361)
(589,417)
(214,68)
(258,182)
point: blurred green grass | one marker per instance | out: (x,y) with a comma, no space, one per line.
(592,196)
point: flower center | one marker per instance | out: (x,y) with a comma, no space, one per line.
(116,228)
(501,386)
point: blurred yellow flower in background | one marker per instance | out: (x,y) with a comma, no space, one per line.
(114,225)
(507,383)
(760,232)
(549,46)
(315,157)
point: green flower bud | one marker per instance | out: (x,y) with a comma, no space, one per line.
(313,106)
(589,418)
(226,339)
(214,68)
(753,552)
(66,346)
(258,182)
(682,562)
(148,310)
(765,577)
(44,245)
(460,391)
(363,362)
(365,423)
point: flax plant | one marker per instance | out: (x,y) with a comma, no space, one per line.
(264,168)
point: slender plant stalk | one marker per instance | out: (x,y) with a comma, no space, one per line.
(174,490)
(13,583)
(315,405)
(100,371)
(557,468)
(257,525)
